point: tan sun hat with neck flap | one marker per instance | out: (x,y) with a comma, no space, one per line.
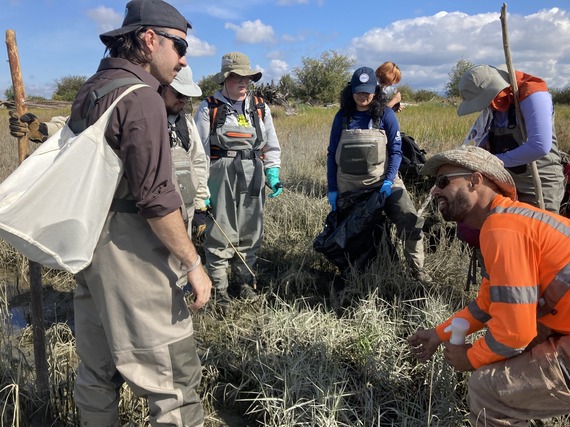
(236,63)
(479,85)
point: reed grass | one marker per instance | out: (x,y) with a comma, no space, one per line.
(309,351)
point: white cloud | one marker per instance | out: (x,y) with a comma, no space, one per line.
(252,32)
(289,38)
(197,47)
(221,12)
(427,47)
(295,2)
(291,2)
(274,71)
(106,18)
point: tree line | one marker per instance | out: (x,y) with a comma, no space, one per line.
(317,81)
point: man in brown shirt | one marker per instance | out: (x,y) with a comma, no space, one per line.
(132,322)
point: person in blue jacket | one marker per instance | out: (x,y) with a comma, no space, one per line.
(365,152)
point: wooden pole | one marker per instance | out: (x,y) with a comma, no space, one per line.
(520,118)
(36,306)
(18,85)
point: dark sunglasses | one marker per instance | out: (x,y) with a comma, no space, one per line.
(238,79)
(180,45)
(177,94)
(442,181)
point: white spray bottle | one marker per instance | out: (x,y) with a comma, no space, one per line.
(458,328)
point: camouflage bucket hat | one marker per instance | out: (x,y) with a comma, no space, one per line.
(477,160)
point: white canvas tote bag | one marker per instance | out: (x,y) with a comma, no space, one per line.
(54,205)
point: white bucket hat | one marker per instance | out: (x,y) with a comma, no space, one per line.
(184,84)
(477,160)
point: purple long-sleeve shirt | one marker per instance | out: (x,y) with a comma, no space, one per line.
(537,111)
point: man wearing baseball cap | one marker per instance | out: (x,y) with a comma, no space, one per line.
(132,321)
(521,364)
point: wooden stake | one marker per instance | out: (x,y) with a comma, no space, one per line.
(520,118)
(36,306)
(18,85)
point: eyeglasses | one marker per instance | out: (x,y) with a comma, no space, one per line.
(177,94)
(239,79)
(442,181)
(180,45)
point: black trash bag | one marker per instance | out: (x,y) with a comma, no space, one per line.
(353,232)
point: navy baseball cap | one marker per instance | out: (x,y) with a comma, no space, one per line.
(363,80)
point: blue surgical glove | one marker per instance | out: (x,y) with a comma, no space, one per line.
(332,196)
(272,175)
(386,187)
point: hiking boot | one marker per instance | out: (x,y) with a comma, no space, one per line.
(247,292)
(422,276)
(221,297)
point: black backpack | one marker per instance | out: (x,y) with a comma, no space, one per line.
(413,158)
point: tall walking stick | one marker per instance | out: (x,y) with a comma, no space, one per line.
(36,307)
(520,118)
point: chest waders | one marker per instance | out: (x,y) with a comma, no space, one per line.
(240,143)
(360,158)
(184,179)
(236,187)
(183,174)
(502,140)
(130,317)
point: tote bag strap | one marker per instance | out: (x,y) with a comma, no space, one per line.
(78,126)
(102,121)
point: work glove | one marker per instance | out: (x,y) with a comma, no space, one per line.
(332,196)
(272,180)
(27,124)
(386,187)
(199,222)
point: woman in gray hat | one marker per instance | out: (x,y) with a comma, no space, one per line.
(239,138)
(487,89)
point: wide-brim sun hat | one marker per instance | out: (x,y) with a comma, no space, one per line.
(147,13)
(477,160)
(479,85)
(184,84)
(236,63)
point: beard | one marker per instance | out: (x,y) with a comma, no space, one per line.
(457,209)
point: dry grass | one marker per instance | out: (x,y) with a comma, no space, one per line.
(306,353)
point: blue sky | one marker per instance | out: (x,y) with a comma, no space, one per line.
(58,38)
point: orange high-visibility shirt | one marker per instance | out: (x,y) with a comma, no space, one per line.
(527,256)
